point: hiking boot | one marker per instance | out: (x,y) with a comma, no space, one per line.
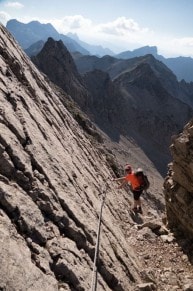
(140,210)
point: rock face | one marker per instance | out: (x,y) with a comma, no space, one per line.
(149,114)
(178,186)
(51,178)
(105,102)
(152,113)
(56,62)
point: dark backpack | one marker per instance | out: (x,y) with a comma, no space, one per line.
(143,180)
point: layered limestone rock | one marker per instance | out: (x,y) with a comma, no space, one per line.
(51,178)
(178,186)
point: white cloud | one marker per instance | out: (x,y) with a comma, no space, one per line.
(16,5)
(119,27)
(185,41)
(183,46)
(119,35)
(71,23)
(122,32)
(122,26)
(4,17)
(174,47)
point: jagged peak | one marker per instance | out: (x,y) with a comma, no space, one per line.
(55,43)
(56,62)
(55,48)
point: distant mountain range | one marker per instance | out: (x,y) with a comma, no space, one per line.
(182,67)
(33,32)
(97,50)
(117,67)
(139,98)
(33,35)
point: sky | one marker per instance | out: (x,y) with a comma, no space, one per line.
(119,25)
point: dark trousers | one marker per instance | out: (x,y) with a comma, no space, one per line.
(137,194)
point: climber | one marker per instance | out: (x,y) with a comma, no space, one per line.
(135,186)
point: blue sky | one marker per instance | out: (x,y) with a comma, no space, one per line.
(117,24)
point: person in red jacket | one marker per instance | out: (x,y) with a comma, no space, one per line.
(135,186)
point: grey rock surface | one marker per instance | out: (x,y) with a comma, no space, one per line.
(53,173)
(51,176)
(178,185)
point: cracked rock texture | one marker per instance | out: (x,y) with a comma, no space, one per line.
(178,186)
(54,171)
(51,178)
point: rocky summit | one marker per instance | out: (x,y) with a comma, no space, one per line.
(55,176)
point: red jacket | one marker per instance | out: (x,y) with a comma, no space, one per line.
(135,184)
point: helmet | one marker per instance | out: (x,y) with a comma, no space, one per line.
(128,167)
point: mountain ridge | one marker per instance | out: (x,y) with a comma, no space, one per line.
(34,31)
(115,67)
(182,67)
(108,93)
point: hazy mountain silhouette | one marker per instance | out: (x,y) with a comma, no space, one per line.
(35,48)
(97,50)
(182,67)
(34,31)
(138,52)
(28,34)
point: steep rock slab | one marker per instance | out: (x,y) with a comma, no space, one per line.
(178,186)
(51,176)
(18,271)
